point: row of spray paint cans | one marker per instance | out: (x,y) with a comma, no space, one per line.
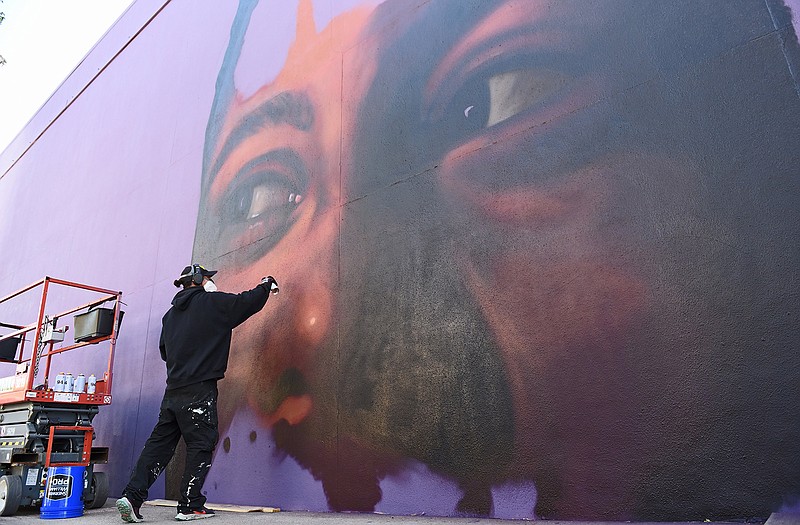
(68,383)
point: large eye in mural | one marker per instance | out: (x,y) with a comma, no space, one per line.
(515,92)
(261,200)
(264,195)
(486,100)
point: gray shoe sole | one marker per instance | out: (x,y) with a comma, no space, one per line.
(126,511)
(192,517)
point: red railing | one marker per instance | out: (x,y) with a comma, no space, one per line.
(21,387)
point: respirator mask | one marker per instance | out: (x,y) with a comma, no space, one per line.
(210,286)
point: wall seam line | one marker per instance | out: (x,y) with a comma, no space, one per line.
(83,89)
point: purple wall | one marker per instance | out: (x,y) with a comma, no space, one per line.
(102,188)
(536,259)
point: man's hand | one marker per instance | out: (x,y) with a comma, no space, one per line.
(271,283)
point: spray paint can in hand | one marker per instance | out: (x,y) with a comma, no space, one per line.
(80,383)
(273,284)
(91,384)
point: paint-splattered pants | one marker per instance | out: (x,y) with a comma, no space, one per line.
(191,412)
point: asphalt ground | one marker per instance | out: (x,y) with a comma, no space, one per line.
(160,514)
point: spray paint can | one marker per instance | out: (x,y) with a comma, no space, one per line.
(68,382)
(80,383)
(90,384)
(273,284)
(59,383)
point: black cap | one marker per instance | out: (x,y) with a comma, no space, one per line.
(189,271)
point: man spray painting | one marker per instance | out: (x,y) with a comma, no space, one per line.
(195,344)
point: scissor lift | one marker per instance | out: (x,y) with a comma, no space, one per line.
(41,423)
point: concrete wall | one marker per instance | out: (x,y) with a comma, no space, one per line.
(537,259)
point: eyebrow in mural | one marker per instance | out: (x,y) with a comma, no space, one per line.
(518,242)
(293,109)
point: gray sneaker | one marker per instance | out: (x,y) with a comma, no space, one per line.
(128,512)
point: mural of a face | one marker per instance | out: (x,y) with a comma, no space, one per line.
(517,241)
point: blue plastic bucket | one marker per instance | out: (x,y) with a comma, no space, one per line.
(63,493)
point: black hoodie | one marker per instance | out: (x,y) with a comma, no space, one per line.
(196,332)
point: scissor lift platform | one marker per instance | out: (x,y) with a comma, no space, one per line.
(43,421)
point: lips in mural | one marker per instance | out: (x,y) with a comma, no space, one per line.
(293,404)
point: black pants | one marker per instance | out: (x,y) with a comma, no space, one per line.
(191,412)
